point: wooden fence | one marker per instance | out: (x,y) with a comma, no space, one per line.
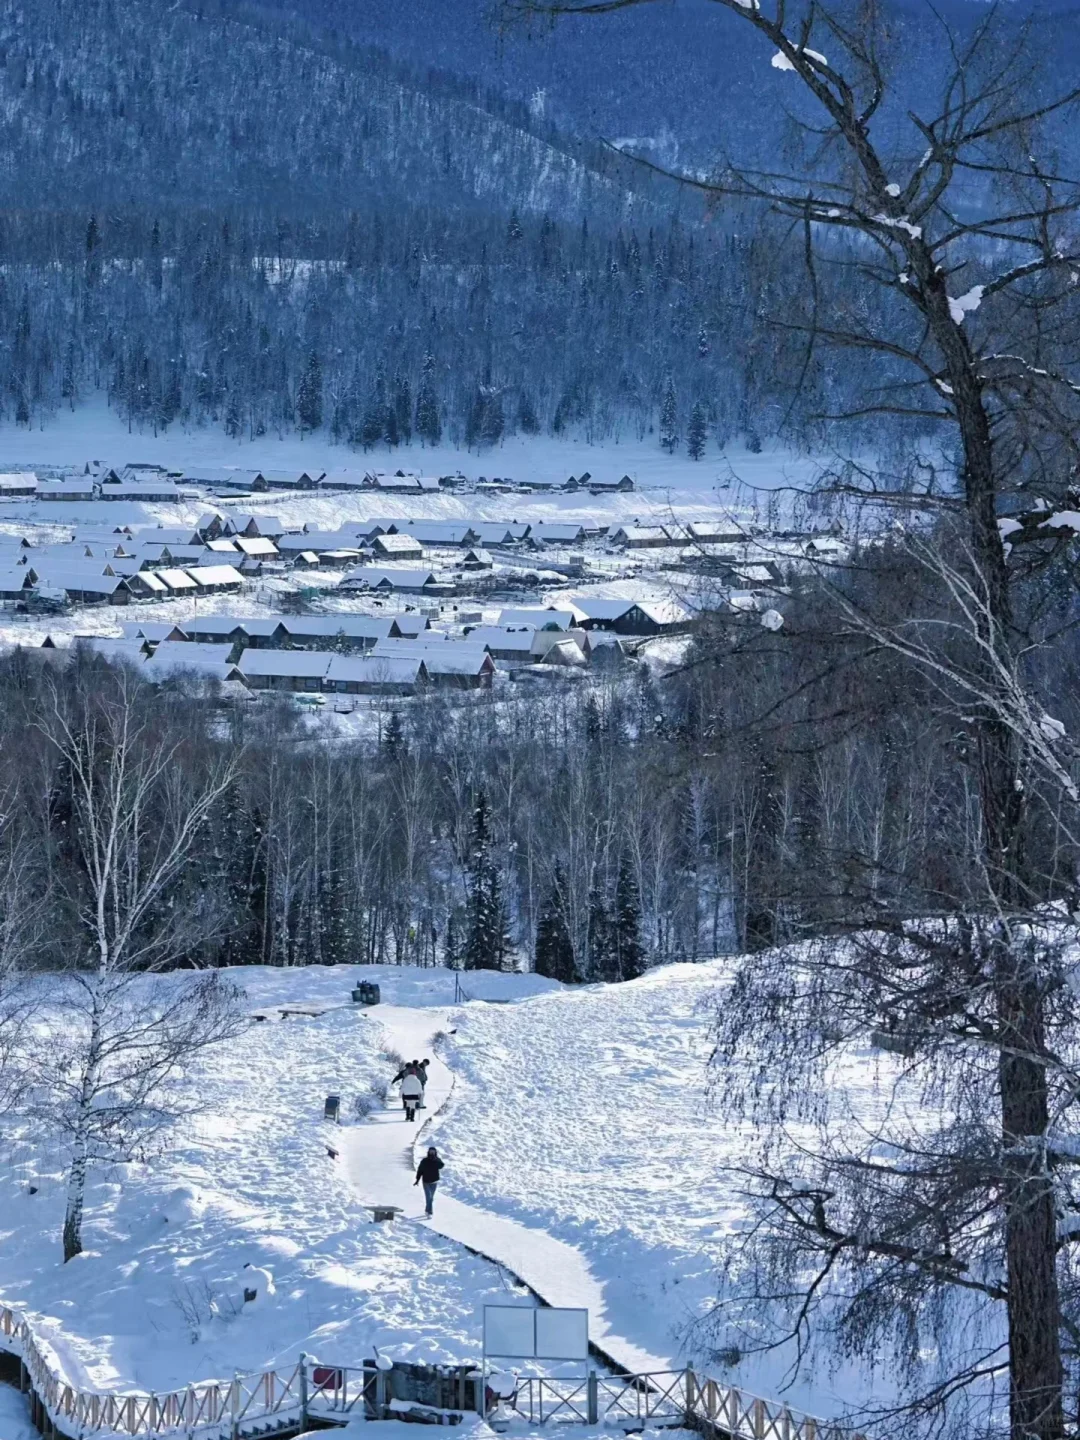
(669,1397)
(272,1400)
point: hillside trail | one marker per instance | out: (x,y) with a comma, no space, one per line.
(381,1154)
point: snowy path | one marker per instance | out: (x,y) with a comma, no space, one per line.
(380,1164)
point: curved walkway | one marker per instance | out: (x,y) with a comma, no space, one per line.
(380,1164)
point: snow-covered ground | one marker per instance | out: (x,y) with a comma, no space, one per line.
(156,1299)
(581,1150)
(15,1423)
(93,432)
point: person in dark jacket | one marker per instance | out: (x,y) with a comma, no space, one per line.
(428,1171)
(421,1075)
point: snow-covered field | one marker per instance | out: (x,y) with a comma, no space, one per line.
(93,432)
(581,1115)
(156,1299)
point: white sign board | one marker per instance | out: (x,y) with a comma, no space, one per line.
(518,1332)
(509,1332)
(562,1334)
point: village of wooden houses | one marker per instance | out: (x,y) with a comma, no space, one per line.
(379,606)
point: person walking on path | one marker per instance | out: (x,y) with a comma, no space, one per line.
(412,1092)
(428,1172)
(421,1071)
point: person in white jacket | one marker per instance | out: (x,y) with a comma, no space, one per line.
(412,1092)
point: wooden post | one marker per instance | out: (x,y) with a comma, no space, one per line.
(691,1400)
(759,1420)
(593,1393)
(380,1394)
(234,1407)
(303,1391)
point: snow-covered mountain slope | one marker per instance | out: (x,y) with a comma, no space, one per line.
(138,105)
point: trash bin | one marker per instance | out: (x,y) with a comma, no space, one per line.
(366,993)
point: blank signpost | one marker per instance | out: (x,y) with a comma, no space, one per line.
(525,1332)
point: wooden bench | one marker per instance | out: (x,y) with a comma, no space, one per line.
(384,1212)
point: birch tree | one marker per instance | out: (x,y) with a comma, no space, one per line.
(134,790)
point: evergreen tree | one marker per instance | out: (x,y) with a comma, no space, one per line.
(394,742)
(491,430)
(487,942)
(474,420)
(527,420)
(554,955)
(92,270)
(428,424)
(402,404)
(669,435)
(309,396)
(695,435)
(603,959)
(452,953)
(626,943)
(374,422)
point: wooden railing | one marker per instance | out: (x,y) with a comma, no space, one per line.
(727,1411)
(234,1407)
(284,1399)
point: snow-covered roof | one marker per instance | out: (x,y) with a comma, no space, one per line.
(255,546)
(664,612)
(397,577)
(355,626)
(188,652)
(141,490)
(148,579)
(376,669)
(210,575)
(397,544)
(267,525)
(538,618)
(440,532)
(170,535)
(86,582)
(113,647)
(176,579)
(222,475)
(66,489)
(494,532)
(459,657)
(499,637)
(290,664)
(546,530)
(657,533)
(153,630)
(603,609)
(220,625)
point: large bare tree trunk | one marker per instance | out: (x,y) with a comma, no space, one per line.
(1030,1226)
